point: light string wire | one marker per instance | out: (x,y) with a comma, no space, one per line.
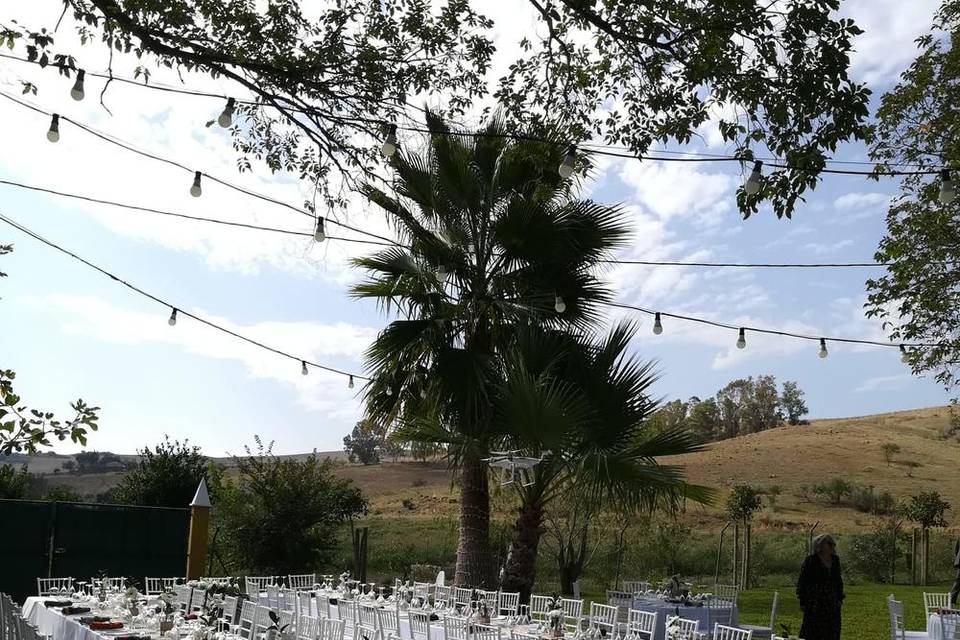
(178,310)
(592,147)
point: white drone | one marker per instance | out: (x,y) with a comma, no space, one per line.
(516,468)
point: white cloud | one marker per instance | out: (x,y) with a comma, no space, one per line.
(823,248)
(884,383)
(857,201)
(677,189)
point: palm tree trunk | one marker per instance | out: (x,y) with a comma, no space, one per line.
(520,572)
(473,542)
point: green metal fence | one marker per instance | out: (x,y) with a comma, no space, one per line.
(66,539)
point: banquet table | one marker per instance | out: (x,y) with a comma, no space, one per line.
(935,627)
(664,609)
(51,622)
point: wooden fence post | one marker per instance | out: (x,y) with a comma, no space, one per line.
(199,524)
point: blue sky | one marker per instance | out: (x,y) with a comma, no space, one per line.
(69,332)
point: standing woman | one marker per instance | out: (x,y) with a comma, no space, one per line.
(820,591)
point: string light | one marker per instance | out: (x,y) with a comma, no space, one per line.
(752,186)
(389,391)
(303,368)
(226,116)
(350,383)
(172,321)
(742,339)
(904,356)
(559,305)
(77,91)
(823,348)
(389,146)
(53,133)
(442,274)
(566,167)
(657,325)
(947,191)
(319,235)
(196,190)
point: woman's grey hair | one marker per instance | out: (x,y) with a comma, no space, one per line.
(820,540)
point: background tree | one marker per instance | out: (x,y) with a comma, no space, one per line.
(742,503)
(62,493)
(361,444)
(928,510)
(166,476)
(13,481)
(890,449)
(791,399)
(392,448)
(918,298)
(322,79)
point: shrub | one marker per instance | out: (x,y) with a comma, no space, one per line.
(13,482)
(889,449)
(865,499)
(927,509)
(62,493)
(166,476)
(833,491)
(873,554)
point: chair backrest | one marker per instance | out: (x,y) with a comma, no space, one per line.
(254,585)
(261,620)
(331,629)
(484,632)
(301,581)
(490,597)
(153,586)
(286,620)
(366,621)
(774,608)
(636,586)
(623,600)
(949,625)
(642,623)
(895,609)
(421,590)
(183,593)
(229,612)
(719,612)
(273,596)
(323,606)
(248,612)
(726,592)
(304,603)
(722,632)
(539,607)
(934,601)
(572,612)
(223,581)
(520,635)
(462,596)
(454,628)
(442,595)
(508,603)
(347,611)
(388,622)
(603,616)
(687,629)
(419,625)
(46,586)
(308,627)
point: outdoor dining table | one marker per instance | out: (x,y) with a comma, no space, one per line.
(51,622)
(663,609)
(935,627)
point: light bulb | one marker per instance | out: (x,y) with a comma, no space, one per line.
(904,356)
(423,393)
(559,305)
(947,192)
(566,167)
(823,348)
(350,383)
(389,391)
(196,190)
(389,146)
(226,116)
(173,317)
(53,134)
(319,235)
(442,274)
(752,185)
(742,339)
(303,368)
(77,91)
(657,326)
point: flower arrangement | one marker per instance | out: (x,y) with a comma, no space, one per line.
(481,608)
(275,628)
(131,598)
(672,628)
(555,616)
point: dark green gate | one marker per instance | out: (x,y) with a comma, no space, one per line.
(59,539)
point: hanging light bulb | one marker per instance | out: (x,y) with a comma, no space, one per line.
(172,321)
(226,116)
(423,393)
(559,305)
(657,325)
(389,391)
(303,368)
(53,133)
(566,167)
(947,191)
(904,356)
(442,274)
(742,339)
(752,185)
(77,91)
(350,383)
(389,146)
(196,190)
(823,348)
(319,235)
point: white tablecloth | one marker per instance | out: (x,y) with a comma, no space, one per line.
(664,609)
(935,629)
(50,622)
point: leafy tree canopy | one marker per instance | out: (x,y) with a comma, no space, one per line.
(323,78)
(743,502)
(927,509)
(166,476)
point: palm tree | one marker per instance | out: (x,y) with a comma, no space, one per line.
(493,240)
(582,402)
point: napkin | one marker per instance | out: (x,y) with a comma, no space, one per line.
(103,626)
(88,619)
(72,611)
(190,616)
(51,604)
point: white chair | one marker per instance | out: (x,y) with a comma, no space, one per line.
(462,597)
(347,612)
(388,623)
(273,596)
(949,625)
(721,632)
(323,606)
(727,592)
(261,621)
(53,586)
(484,632)
(636,586)
(366,626)
(623,600)
(760,631)
(934,601)
(287,622)
(641,624)
(490,597)
(183,595)
(304,603)
(572,613)
(419,625)
(228,614)
(152,586)
(898,630)
(421,590)
(539,608)
(508,603)
(244,626)
(442,595)
(520,635)
(603,617)
(308,627)
(686,629)
(254,585)
(455,628)
(198,599)
(331,629)
(719,612)
(301,581)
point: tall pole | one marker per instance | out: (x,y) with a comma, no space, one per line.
(199,524)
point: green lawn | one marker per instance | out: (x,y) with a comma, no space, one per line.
(864,610)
